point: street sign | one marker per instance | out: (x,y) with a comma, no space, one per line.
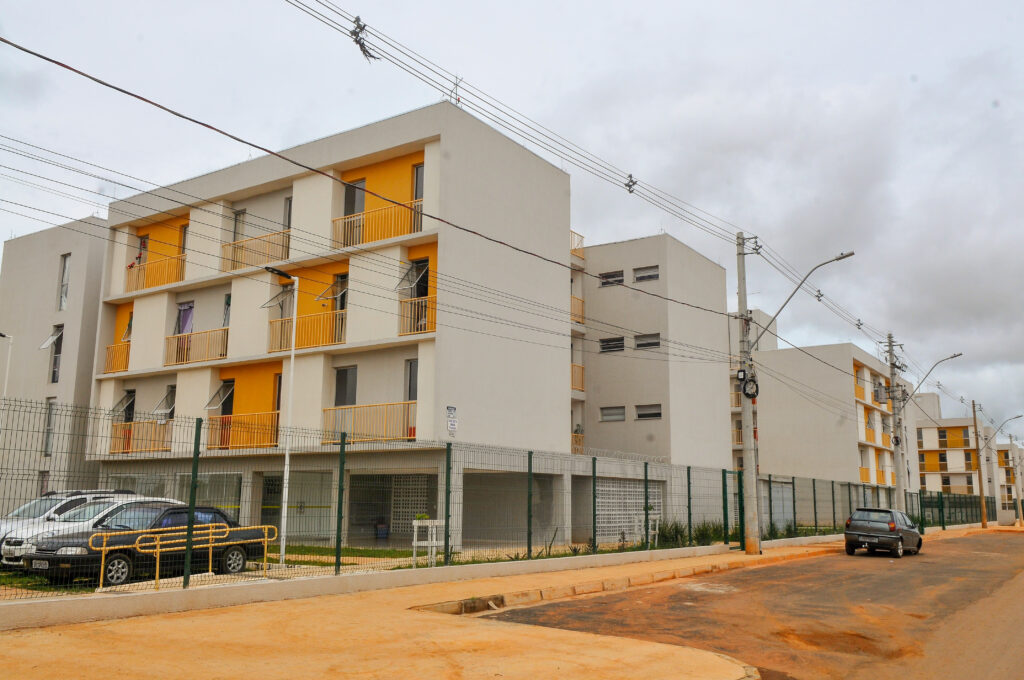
(451,411)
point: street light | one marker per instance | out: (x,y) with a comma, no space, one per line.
(291,401)
(911,395)
(982,460)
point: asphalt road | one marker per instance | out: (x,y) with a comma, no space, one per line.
(954,611)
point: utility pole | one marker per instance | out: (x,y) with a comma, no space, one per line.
(981,467)
(1016,480)
(745,375)
(897,431)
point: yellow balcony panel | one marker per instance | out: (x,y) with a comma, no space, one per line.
(141,436)
(417,315)
(243,431)
(577,444)
(865,475)
(255,251)
(376,225)
(859,391)
(576,310)
(575,244)
(737,437)
(314,330)
(200,346)
(117,357)
(154,273)
(577,377)
(880,476)
(735,399)
(869,435)
(886,440)
(395,421)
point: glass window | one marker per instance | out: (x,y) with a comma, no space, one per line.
(287,212)
(238,226)
(648,411)
(133,516)
(176,519)
(64,281)
(647,341)
(646,273)
(186,313)
(87,511)
(51,416)
(611,278)
(127,336)
(36,508)
(345,386)
(355,197)
(613,413)
(613,344)
(417,182)
(227,310)
(412,368)
(54,343)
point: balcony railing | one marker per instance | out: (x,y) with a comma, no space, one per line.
(859,391)
(865,475)
(735,399)
(577,377)
(255,251)
(576,310)
(377,225)
(576,445)
(243,431)
(955,443)
(880,477)
(737,437)
(200,346)
(117,357)
(314,330)
(575,244)
(154,273)
(869,434)
(886,440)
(371,422)
(140,436)
(417,315)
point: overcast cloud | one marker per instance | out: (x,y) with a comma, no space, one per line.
(895,130)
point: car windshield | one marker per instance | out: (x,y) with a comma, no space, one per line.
(36,508)
(873,516)
(133,517)
(86,512)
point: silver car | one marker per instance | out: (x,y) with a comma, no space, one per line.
(33,516)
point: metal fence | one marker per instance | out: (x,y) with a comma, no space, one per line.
(169,502)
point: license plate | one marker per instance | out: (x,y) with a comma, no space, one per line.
(869,539)
(40,564)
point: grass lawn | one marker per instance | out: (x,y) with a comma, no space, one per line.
(345,551)
(27,581)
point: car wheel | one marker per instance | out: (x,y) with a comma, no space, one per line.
(850,549)
(233,560)
(898,552)
(917,550)
(117,571)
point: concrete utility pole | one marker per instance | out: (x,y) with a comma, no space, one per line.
(751,516)
(981,467)
(1016,482)
(897,430)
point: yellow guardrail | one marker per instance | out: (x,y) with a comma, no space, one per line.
(174,539)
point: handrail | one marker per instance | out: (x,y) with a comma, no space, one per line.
(575,244)
(186,348)
(377,224)
(254,250)
(170,269)
(314,330)
(577,376)
(117,357)
(140,436)
(576,309)
(392,421)
(417,315)
(576,444)
(243,431)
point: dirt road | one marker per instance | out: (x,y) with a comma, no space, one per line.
(952,611)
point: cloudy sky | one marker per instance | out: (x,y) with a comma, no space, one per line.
(892,129)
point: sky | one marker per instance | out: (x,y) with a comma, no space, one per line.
(892,129)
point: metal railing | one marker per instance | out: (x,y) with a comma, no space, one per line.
(254,251)
(575,244)
(577,377)
(199,346)
(117,357)
(869,434)
(887,440)
(865,475)
(140,436)
(314,330)
(377,225)
(243,431)
(576,309)
(576,445)
(371,422)
(417,315)
(880,477)
(735,399)
(154,273)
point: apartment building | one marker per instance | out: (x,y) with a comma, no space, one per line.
(405,323)
(815,421)
(1006,487)
(648,374)
(49,297)
(768,341)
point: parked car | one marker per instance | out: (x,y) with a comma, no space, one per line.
(50,506)
(62,557)
(16,545)
(882,529)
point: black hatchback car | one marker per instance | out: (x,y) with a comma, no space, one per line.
(63,557)
(882,529)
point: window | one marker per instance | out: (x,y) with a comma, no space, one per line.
(923,485)
(339,291)
(648,411)
(183,323)
(287,221)
(127,336)
(611,278)
(345,386)
(920,458)
(65,279)
(227,310)
(613,344)
(965,435)
(920,438)
(127,406)
(175,519)
(646,273)
(165,409)
(184,237)
(51,416)
(942,457)
(355,197)
(945,480)
(613,413)
(647,341)
(223,398)
(55,344)
(44,482)
(415,282)
(238,226)
(967,458)
(417,182)
(412,368)
(942,439)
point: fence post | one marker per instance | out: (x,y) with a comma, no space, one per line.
(833,506)
(849,496)
(739,508)
(814,499)
(725,506)
(341,505)
(447,503)
(593,500)
(529,505)
(771,506)
(192,504)
(647,510)
(689,508)
(795,532)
